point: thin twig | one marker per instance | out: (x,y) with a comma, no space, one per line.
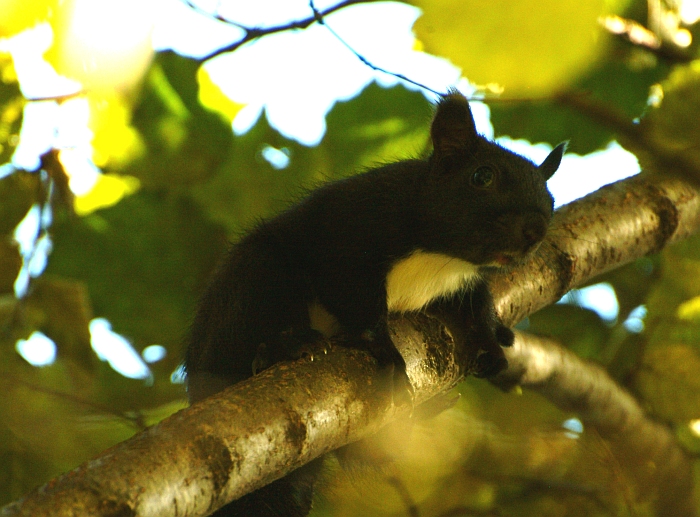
(364,60)
(253,33)
(135,419)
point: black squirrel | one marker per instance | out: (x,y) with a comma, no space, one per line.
(407,236)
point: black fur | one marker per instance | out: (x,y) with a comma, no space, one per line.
(471,200)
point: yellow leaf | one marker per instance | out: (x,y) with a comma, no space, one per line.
(103,44)
(211,96)
(115,142)
(529,48)
(108,191)
(18,15)
(689,310)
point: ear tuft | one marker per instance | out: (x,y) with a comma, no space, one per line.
(453,130)
(551,163)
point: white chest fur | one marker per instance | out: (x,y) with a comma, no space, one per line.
(422,277)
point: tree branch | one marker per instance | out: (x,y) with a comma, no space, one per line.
(641,138)
(259,430)
(611,227)
(253,33)
(576,385)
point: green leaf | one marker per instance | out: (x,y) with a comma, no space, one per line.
(143,261)
(622,78)
(669,381)
(674,124)
(670,366)
(61,309)
(581,330)
(50,422)
(184,141)
(529,49)
(11,109)
(10,264)
(18,192)
(377,126)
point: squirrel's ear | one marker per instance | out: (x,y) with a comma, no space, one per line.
(453,128)
(551,163)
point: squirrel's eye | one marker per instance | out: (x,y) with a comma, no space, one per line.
(483,176)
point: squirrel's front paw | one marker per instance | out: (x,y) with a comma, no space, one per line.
(487,357)
(290,345)
(504,335)
(490,363)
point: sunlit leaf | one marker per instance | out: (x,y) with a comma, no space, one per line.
(529,49)
(104,45)
(211,97)
(108,191)
(115,142)
(155,415)
(17,15)
(376,127)
(689,310)
(617,79)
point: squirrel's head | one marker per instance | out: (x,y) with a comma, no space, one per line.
(483,203)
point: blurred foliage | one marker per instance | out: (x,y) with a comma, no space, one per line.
(16,17)
(558,43)
(11,104)
(673,125)
(138,249)
(621,78)
(361,133)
